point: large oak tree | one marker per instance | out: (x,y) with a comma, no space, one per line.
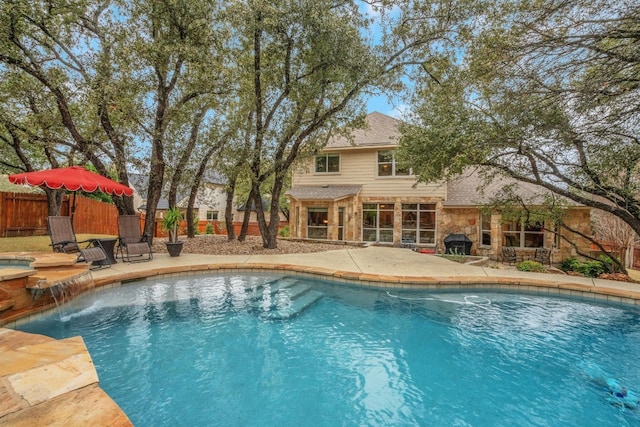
(544,92)
(304,67)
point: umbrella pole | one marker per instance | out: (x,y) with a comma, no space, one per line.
(73,207)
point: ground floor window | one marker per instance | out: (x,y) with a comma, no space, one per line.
(340,223)
(419,223)
(528,235)
(377,222)
(485,229)
(317,222)
(212,215)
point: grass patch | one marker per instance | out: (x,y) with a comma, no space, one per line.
(37,243)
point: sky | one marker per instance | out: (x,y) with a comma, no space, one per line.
(382,105)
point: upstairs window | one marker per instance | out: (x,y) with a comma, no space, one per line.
(327,163)
(387,165)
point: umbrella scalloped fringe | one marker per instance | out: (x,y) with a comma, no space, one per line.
(72,178)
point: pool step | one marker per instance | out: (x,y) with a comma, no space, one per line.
(284,298)
(298,305)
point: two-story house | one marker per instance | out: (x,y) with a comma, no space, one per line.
(353,190)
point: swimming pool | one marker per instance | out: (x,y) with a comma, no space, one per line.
(234,350)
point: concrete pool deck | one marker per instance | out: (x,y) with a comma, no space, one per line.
(53,382)
(379,266)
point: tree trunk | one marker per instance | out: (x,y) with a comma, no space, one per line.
(191,223)
(153,196)
(245,225)
(54,201)
(247,215)
(269,231)
(228,211)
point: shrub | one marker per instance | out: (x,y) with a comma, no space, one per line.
(534,266)
(591,268)
(284,231)
(208,229)
(569,264)
(608,264)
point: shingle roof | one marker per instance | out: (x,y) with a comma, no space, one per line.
(382,130)
(324,192)
(464,190)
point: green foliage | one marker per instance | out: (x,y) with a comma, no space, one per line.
(284,231)
(609,265)
(196,221)
(209,229)
(529,265)
(590,268)
(541,92)
(170,222)
(454,255)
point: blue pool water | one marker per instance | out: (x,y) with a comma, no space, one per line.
(227,351)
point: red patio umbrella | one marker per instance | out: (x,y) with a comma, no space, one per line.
(72,178)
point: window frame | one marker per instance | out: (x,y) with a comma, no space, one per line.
(322,227)
(212,212)
(520,231)
(384,214)
(393,164)
(484,231)
(326,157)
(415,224)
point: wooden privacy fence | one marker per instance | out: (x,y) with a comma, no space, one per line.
(25,214)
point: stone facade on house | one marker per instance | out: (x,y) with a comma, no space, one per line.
(354,191)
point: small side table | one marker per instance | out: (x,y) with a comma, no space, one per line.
(109,246)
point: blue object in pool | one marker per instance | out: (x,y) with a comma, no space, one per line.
(615,393)
(253,350)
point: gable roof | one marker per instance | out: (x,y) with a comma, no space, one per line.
(464,190)
(381,131)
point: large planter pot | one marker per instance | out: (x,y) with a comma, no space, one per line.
(174,248)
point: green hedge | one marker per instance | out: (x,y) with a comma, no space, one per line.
(591,268)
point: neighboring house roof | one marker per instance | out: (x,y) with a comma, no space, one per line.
(324,192)
(468,190)
(381,130)
(163,204)
(266,204)
(140,183)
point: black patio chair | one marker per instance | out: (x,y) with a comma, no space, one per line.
(509,254)
(542,255)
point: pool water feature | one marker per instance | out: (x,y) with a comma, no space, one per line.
(205,350)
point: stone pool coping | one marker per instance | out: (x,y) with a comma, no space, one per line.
(371,267)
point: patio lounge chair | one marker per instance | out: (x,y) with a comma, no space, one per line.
(131,242)
(63,239)
(509,254)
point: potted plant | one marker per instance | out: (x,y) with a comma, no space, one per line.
(170,222)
